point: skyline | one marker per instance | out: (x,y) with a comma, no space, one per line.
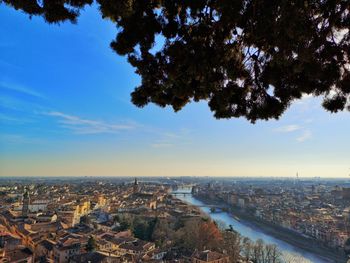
(65,110)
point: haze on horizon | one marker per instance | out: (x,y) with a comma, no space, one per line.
(65,110)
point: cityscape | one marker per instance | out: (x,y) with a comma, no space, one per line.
(174,131)
(180,219)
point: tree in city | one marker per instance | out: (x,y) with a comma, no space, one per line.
(245,58)
(125,222)
(247,246)
(220,224)
(139,228)
(124,225)
(259,252)
(163,232)
(199,234)
(209,235)
(273,255)
(85,220)
(91,244)
(231,244)
(144,229)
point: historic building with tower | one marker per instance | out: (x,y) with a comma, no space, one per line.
(136,186)
(25,205)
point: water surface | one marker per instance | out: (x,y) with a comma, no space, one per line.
(291,253)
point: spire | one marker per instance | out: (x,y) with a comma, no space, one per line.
(136,186)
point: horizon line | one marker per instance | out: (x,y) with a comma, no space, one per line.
(170,176)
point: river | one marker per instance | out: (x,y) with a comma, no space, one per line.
(290,253)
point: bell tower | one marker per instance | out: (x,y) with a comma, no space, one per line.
(136,186)
(25,204)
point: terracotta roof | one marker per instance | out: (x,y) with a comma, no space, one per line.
(94,257)
(208,255)
(137,246)
(19,254)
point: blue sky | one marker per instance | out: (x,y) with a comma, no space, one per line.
(65,110)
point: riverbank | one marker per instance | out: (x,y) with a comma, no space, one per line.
(289,236)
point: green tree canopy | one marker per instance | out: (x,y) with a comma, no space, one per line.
(246,58)
(91,244)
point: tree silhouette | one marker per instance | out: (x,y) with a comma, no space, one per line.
(200,234)
(246,58)
(91,244)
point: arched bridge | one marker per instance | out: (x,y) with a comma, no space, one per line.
(181,193)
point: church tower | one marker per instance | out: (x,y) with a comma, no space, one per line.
(25,205)
(136,186)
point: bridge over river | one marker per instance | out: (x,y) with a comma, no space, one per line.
(181,193)
(211,206)
(290,253)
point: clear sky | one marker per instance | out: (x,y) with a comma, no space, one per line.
(65,110)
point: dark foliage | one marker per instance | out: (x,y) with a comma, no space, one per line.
(124,225)
(85,220)
(246,58)
(143,229)
(91,244)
